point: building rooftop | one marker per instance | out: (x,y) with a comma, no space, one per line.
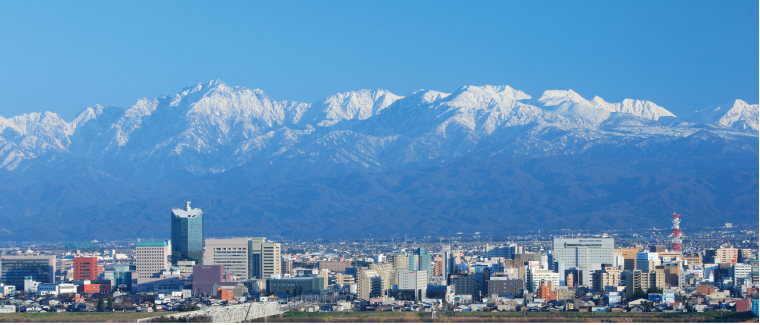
(188,212)
(152,244)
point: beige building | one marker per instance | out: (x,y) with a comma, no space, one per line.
(368,284)
(608,276)
(657,278)
(694,259)
(399,262)
(232,253)
(335,266)
(726,254)
(247,257)
(673,256)
(629,256)
(387,274)
(325,275)
(152,258)
(344,279)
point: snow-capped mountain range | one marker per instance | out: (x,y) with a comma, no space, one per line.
(481,158)
(211,127)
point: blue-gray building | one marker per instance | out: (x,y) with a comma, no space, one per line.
(419,260)
(187,234)
(14,269)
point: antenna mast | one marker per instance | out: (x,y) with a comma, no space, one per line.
(677,235)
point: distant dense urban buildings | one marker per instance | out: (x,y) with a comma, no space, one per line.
(570,273)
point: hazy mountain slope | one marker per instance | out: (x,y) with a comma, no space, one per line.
(499,194)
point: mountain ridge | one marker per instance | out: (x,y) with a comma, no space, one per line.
(480,156)
(212,117)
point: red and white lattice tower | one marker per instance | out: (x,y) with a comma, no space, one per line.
(676,241)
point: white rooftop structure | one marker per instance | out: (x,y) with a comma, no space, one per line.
(188,212)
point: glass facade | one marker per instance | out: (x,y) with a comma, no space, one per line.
(15,270)
(419,260)
(120,276)
(187,235)
(255,267)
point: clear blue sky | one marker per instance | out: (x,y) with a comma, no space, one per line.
(62,56)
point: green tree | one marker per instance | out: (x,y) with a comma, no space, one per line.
(101,303)
(109,303)
(639,293)
(647,305)
(654,290)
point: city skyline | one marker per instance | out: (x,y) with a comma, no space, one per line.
(390,162)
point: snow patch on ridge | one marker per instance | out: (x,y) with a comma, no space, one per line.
(741,116)
(568,102)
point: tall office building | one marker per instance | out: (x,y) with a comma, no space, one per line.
(446,259)
(14,269)
(369,284)
(633,280)
(537,276)
(629,257)
(247,258)
(414,280)
(453,258)
(399,262)
(86,268)
(646,262)
(583,254)
(505,250)
(419,260)
(187,234)
(264,261)
(438,266)
(609,276)
(152,258)
(232,253)
(464,284)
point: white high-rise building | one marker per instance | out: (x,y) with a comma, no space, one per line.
(584,254)
(536,276)
(741,271)
(414,280)
(152,258)
(506,251)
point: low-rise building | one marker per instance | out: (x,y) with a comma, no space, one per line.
(295,286)
(503,287)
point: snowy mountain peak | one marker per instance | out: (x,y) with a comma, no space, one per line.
(359,105)
(556,97)
(91,113)
(570,102)
(485,96)
(210,127)
(504,91)
(194,91)
(423,96)
(740,115)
